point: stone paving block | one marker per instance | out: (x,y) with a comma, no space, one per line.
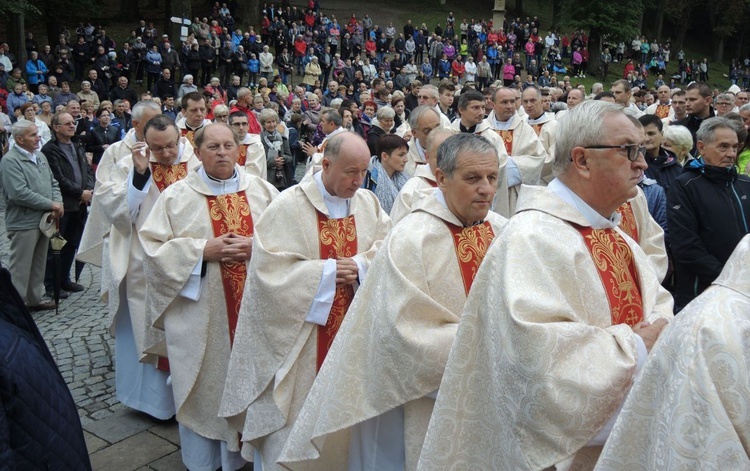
(119,426)
(167,431)
(132,453)
(93,443)
(171,462)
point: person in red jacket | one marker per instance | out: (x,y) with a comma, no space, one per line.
(245,104)
(458,68)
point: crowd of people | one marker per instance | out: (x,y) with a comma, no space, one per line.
(469,246)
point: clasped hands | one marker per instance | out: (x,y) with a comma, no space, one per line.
(228,248)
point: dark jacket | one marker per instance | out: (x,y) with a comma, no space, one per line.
(708,212)
(164,88)
(664,169)
(118,93)
(39,424)
(98,137)
(63,172)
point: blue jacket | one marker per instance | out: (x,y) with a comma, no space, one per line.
(39,424)
(32,69)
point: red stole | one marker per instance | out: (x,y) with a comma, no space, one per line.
(471,245)
(662,111)
(231,213)
(243,155)
(537,128)
(165,175)
(614,261)
(189,135)
(338,239)
(507,137)
(627,221)
(432,183)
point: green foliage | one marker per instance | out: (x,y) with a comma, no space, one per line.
(10,7)
(724,15)
(617,19)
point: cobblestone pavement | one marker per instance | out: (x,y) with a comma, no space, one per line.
(118,438)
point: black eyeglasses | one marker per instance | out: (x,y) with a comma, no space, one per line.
(633,150)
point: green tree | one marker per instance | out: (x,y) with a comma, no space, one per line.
(615,19)
(723,17)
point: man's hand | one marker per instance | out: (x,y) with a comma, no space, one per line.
(141,155)
(279,162)
(86,196)
(227,248)
(238,248)
(309,149)
(408,135)
(650,332)
(347,271)
(57,211)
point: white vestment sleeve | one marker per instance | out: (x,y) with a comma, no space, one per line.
(603,434)
(512,173)
(136,196)
(361,267)
(323,300)
(192,288)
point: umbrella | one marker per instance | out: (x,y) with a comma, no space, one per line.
(57,243)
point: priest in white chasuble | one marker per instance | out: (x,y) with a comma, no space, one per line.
(387,360)
(423,120)
(311,249)
(690,406)
(561,314)
(252,154)
(525,149)
(197,242)
(471,107)
(543,124)
(95,239)
(424,176)
(126,200)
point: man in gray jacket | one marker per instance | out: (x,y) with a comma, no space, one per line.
(30,190)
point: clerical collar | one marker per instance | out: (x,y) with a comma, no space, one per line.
(541,119)
(190,128)
(503,125)
(463,128)
(337,207)
(596,220)
(441,199)
(218,186)
(30,155)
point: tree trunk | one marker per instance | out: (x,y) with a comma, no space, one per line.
(16,40)
(659,18)
(640,22)
(152,4)
(718,49)
(682,29)
(595,52)
(519,7)
(250,12)
(129,10)
(556,13)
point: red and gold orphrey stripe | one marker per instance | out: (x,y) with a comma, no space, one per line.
(662,111)
(615,264)
(231,213)
(189,135)
(243,155)
(471,244)
(537,128)
(628,224)
(165,175)
(507,137)
(338,239)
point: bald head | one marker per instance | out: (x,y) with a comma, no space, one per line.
(345,162)
(434,139)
